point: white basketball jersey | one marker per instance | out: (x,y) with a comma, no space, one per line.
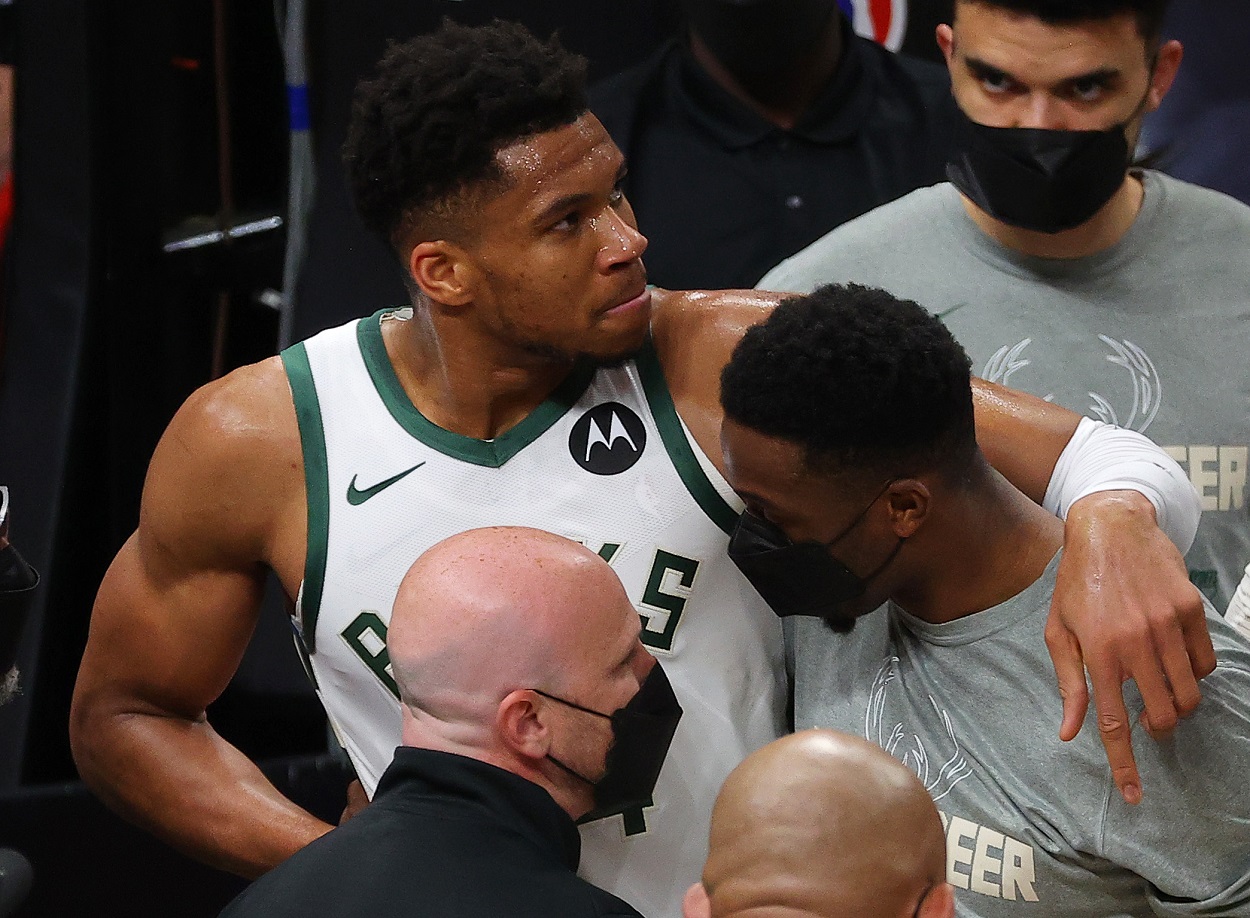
(605,461)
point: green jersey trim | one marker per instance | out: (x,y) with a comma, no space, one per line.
(490,453)
(312,440)
(676,443)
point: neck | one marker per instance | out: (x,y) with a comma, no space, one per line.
(990,544)
(421,730)
(1100,232)
(463,382)
(792,89)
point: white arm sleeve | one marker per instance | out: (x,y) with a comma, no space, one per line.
(1102,457)
(1238,614)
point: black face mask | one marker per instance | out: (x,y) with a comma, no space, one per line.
(642,731)
(756,39)
(800,578)
(1037,178)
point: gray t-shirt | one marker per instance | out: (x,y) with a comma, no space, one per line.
(1151,334)
(1036,826)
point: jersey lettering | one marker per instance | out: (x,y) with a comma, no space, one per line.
(665,597)
(366,636)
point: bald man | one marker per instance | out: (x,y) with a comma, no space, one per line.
(823,824)
(528,702)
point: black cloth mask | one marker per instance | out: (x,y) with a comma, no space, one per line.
(756,39)
(799,578)
(642,731)
(1038,178)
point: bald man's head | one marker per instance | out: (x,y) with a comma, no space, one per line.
(488,610)
(490,629)
(822,824)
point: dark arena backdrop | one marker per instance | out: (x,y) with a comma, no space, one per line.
(167,182)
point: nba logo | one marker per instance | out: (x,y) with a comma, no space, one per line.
(884,21)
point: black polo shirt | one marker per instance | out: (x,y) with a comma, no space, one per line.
(445,837)
(723,195)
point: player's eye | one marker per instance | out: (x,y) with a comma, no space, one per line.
(996,82)
(568,222)
(1088,90)
(992,80)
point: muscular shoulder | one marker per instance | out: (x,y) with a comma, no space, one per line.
(695,332)
(717,319)
(228,462)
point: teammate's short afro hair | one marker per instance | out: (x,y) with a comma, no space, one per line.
(439,106)
(1149,13)
(861,380)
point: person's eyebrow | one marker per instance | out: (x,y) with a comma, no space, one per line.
(985,70)
(571,202)
(1102,75)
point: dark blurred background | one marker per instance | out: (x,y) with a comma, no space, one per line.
(146,256)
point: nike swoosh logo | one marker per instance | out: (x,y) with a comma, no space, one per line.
(356,496)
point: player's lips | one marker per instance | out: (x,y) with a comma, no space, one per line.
(634,303)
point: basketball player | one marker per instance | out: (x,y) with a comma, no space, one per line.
(535,381)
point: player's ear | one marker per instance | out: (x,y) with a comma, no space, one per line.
(521,726)
(909,501)
(442,271)
(696,903)
(939,902)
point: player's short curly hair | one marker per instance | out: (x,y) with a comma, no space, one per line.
(427,125)
(861,380)
(1149,13)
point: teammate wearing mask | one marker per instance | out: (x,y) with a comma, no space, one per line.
(1116,291)
(849,433)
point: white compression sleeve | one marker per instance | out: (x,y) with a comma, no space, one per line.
(1238,614)
(1102,457)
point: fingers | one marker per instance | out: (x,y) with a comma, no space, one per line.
(1115,730)
(1159,709)
(1179,675)
(1065,653)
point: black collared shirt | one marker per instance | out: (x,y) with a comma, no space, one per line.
(445,837)
(723,195)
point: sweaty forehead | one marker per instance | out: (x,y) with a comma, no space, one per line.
(561,161)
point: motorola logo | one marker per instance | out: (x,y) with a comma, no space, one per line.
(607,439)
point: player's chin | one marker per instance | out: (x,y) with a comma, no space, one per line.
(613,350)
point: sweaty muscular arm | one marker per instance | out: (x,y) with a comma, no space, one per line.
(1123,606)
(171,621)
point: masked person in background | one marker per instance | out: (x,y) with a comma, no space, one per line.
(501,751)
(763,126)
(1116,291)
(17,585)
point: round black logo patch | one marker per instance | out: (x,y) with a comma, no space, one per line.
(607,439)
